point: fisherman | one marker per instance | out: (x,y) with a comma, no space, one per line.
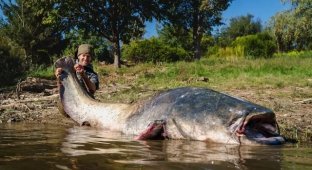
(84,70)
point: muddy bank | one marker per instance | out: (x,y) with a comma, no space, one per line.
(292,106)
(32,100)
(35,100)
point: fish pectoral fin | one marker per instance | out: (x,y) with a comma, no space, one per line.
(155,131)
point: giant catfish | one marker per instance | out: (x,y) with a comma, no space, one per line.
(182,113)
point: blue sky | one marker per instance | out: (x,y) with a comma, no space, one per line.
(260,9)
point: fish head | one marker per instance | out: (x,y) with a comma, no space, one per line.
(257,128)
(66,63)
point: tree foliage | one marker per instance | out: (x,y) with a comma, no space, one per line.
(11,62)
(153,50)
(115,20)
(176,37)
(293,28)
(283,29)
(239,26)
(256,45)
(181,38)
(100,44)
(198,16)
(26,25)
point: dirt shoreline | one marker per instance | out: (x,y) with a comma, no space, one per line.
(34,100)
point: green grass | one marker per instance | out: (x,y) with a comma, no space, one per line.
(42,72)
(291,69)
(222,74)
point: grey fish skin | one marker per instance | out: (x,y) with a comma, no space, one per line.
(199,114)
(187,112)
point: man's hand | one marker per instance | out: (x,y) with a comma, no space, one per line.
(79,69)
(58,73)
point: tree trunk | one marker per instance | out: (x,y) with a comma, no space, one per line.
(278,43)
(197,48)
(196,32)
(117,54)
(116,46)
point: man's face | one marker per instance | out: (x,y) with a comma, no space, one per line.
(84,59)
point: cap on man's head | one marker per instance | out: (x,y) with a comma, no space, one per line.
(85,48)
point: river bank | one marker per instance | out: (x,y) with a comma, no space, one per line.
(35,100)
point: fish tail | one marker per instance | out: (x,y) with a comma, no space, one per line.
(66,63)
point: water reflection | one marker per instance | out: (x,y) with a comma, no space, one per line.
(123,149)
(38,146)
(85,140)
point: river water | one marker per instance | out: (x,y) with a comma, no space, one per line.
(36,146)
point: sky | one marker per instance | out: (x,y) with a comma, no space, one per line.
(260,9)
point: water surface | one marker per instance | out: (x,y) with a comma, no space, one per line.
(36,146)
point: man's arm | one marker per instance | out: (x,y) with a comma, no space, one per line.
(91,86)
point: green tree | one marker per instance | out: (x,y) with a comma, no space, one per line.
(181,38)
(100,44)
(116,20)
(198,16)
(176,37)
(26,25)
(239,26)
(283,28)
(153,50)
(293,28)
(303,32)
(11,62)
(256,45)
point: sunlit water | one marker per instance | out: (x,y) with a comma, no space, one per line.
(34,146)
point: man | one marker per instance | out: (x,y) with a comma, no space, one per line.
(84,71)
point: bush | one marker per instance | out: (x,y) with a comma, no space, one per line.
(42,72)
(211,51)
(11,66)
(153,50)
(255,46)
(231,52)
(300,54)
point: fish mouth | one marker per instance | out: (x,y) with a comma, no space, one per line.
(261,128)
